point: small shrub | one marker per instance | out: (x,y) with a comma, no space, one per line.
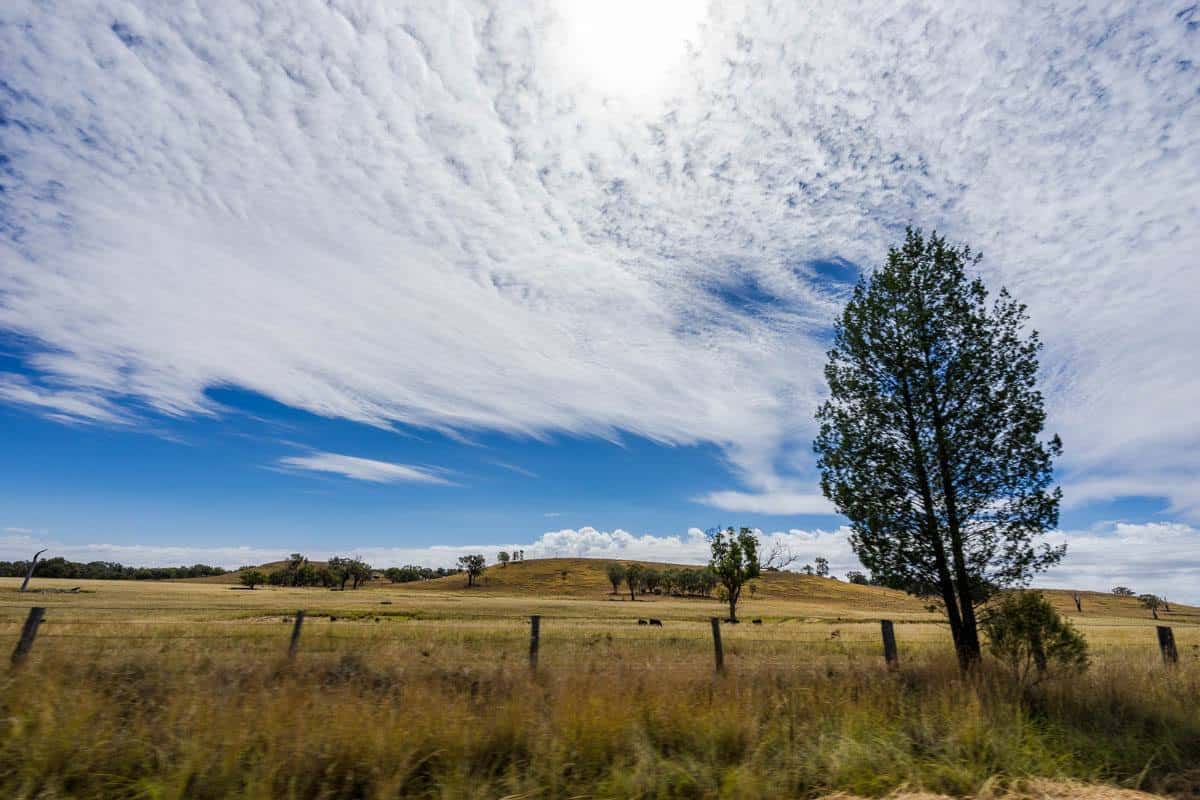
(1030,638)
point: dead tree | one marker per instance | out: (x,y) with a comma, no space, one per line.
(32,564)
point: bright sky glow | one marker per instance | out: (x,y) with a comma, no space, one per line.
(627,49)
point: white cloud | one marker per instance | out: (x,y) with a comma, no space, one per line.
(1162,558)
(403,213)
(365,469)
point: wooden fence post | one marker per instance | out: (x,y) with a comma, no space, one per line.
(295,643)
(717,651)
(28,634)
(32,566)
(535,631)
(1166,643)
(890,654)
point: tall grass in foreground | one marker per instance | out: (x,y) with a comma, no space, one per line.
(182,720)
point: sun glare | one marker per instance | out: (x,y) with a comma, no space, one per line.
(626,48)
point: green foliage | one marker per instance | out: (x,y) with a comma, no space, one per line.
(616,575)
(252,578)
(857,577)
(734,562)
(473,565)
(411,572)
(929,441)
(1030,638)
(349,570)
(59,567)
(1123,591)
(821,566)
(633,579)
(503,557)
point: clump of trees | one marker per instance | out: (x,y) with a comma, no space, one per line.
(1123,591)
(345,570)
(59,567)
(674,581)
(411,572)
(1032,640)
(930,441)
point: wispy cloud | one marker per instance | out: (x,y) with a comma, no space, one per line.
(366,469)
(514,468)
(479,243)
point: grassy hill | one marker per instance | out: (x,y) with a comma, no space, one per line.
(585,578)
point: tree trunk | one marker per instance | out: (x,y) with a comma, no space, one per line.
(970,628)
(945,582)
(733,598)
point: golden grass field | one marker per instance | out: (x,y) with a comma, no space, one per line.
(182,689)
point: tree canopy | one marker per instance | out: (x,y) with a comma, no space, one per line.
(734,562)
(930,439)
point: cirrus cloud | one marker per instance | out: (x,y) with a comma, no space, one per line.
(403,213)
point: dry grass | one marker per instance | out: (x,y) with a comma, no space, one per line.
(181,690)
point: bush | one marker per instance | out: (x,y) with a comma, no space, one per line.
(1029,637)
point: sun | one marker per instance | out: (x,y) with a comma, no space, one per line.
(627,49)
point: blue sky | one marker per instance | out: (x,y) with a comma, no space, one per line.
(407,278)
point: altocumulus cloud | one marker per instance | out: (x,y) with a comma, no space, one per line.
(403,212)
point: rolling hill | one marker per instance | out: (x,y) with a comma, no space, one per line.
(585,578)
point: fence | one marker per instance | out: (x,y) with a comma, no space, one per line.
(891,655)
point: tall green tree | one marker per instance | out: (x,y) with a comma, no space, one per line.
(930,441)
(616,575)
(473,565)
(734,562)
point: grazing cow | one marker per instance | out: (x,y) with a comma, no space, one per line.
(657,622)
(756,621)
(643,622)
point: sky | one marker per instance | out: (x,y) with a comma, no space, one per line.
(408,279)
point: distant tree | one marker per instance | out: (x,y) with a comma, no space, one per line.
(807,569)
(1123,591)
(1152,602)
(522,552)
(252,578)
(929,441)
(349,570)
(503,558)
(822,566)
(633,579)
(651,580)
(616,575)
(473,565)
(292,566)
(734,562)
(857,577)
(1029,637)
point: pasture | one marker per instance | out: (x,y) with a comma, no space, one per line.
(183,689)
